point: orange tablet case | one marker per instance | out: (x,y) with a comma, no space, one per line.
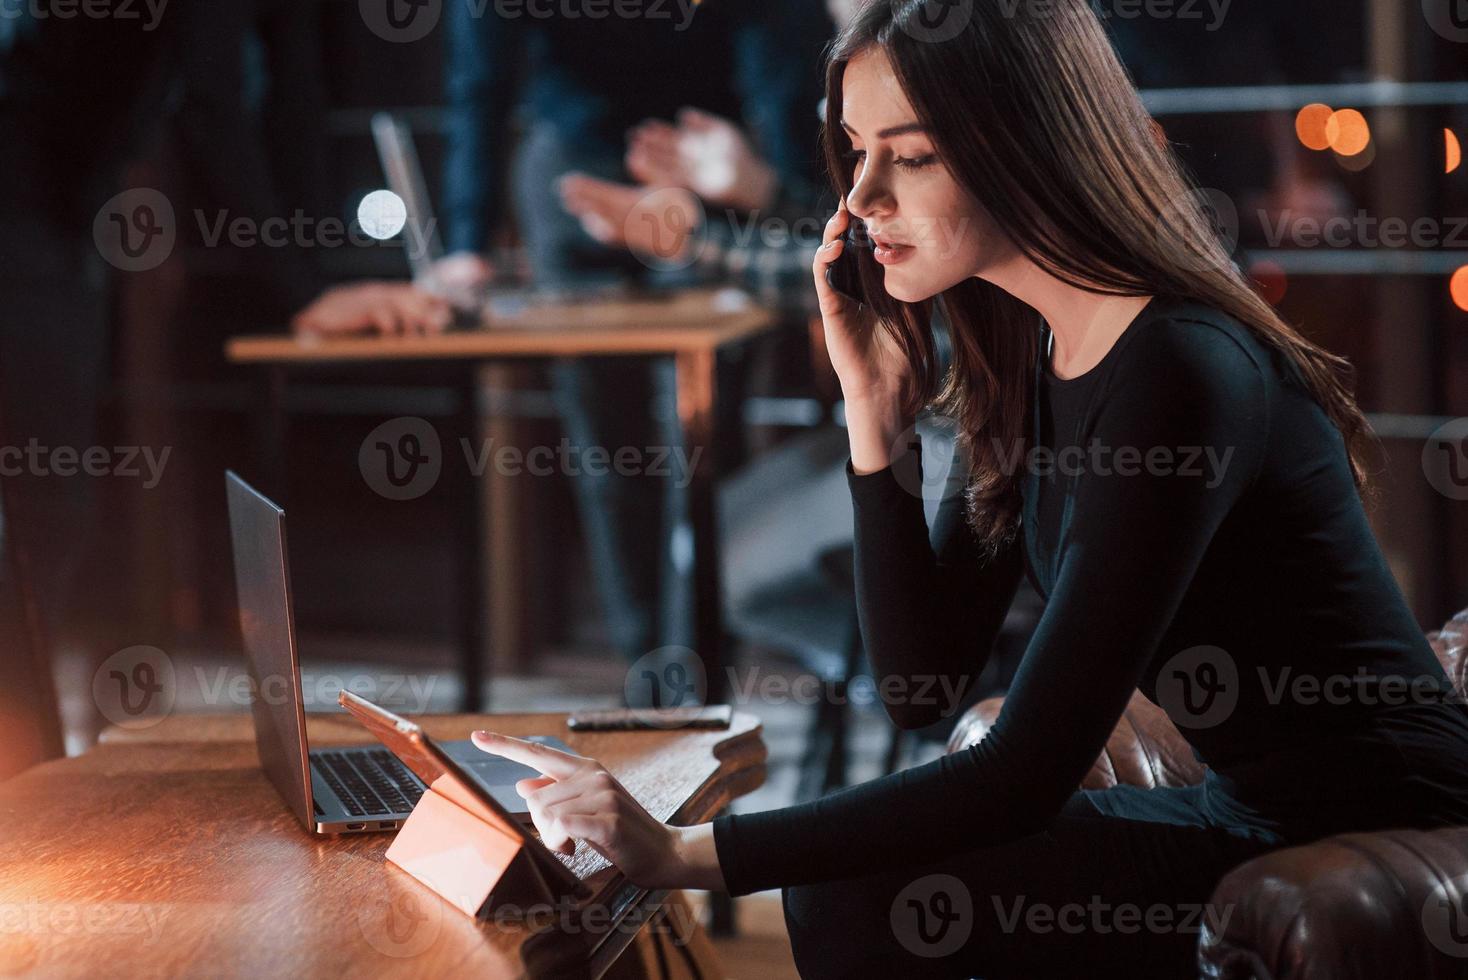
(458,841)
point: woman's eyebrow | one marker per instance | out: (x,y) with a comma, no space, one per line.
(891,131)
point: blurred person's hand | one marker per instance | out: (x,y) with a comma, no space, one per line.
(706,154)
(460,278)
(462,272)
(658,223)
(385,308)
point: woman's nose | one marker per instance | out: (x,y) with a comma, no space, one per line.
(867,199)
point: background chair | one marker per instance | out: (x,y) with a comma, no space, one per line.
(789,585)
(786,522)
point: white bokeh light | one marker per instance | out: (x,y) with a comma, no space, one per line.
(382,214)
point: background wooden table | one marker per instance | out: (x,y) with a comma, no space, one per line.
(691,326)
(165,852)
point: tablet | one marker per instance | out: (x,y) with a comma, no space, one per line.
(443,775)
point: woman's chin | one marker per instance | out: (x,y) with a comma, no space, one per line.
(906,292)
(912,282)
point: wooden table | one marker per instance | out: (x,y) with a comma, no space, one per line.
(165,852)
(689,326)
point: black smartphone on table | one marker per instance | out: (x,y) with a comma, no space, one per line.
(651,719)
(844,274)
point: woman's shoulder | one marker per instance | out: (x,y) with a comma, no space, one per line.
(1195,343)
(1192,368)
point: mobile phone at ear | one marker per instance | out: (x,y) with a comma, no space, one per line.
(844,274)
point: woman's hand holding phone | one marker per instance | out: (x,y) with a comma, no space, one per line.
(871,367)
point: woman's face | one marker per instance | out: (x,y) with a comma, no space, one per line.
(930,232)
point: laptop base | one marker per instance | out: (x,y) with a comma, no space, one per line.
(339,776)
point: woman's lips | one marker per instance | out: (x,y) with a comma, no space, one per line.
(891,253)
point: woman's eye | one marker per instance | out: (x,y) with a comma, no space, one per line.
(915,163)
(906,163)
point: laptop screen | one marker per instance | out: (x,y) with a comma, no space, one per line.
(262,583)
(399,156)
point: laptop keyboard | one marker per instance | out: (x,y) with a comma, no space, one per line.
(369,783)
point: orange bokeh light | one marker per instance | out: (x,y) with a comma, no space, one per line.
(1455,150)
(1310,125)
(1360,161)
(1348,132)
(1459,288)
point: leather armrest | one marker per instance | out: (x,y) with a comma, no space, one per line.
(1145,749)
(1350,907)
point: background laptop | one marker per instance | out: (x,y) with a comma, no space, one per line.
(333,790)
(399,157)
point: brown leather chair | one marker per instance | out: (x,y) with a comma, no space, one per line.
(1352,907)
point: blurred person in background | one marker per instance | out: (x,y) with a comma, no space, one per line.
(580,84)
(693,180)
(705,199)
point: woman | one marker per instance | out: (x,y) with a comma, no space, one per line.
(1206,542)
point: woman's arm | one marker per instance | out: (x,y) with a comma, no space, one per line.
(1135,543)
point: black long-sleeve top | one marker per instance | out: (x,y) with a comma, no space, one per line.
(1223,587)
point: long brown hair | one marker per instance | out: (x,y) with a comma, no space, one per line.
(1033,113)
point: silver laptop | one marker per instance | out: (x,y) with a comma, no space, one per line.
(333,790)
(399,157)
(405,179)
